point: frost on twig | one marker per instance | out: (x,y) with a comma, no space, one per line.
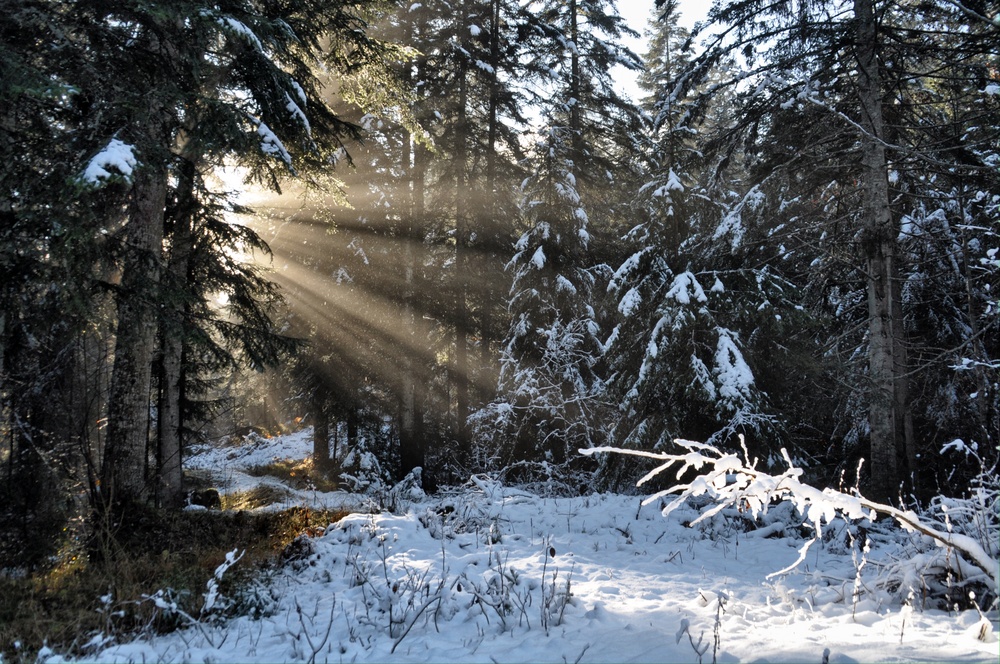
(734,482)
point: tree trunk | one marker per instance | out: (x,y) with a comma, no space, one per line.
(460,372)
(170,479)
(886,351)
(411,453)
(352,430)
(488,226)
(123,479)
(321,432)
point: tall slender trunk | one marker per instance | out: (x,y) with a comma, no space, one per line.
(886,351)
(3,341)
(412,452)
(409,452)
(489,225)
(123,479)
(460,373)
(352,429)
(170,479)
(977,349)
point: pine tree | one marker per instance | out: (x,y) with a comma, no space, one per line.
(550,399)
(550,389)
(839,96)
(683,353)
(53,250)
(152,99)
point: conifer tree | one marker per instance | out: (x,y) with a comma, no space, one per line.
(829,124)
(550,389)
(678,355)
(154,98)
(53,251)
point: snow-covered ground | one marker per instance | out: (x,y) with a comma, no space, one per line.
(492,573)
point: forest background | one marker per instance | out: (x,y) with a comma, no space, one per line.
(478,255)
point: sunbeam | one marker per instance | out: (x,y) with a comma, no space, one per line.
(372,301)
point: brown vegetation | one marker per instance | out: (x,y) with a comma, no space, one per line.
(177,551)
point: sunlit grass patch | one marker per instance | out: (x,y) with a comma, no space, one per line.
(256,497)
(299,473)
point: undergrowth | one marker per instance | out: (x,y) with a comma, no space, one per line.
(106,591)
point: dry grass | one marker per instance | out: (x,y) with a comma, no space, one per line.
(153,551)
(257,497)
(301,474)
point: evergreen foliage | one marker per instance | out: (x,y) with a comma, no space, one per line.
(843,120)
(138,105)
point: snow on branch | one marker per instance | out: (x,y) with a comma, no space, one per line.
(270,143)
(240,29)
(116,156)
(734,482)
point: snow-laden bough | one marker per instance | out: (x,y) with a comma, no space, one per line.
(734,482)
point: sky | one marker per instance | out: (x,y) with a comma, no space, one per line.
(637,13)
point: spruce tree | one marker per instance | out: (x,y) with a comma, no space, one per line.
(152,99)
(551,392)
(829,125)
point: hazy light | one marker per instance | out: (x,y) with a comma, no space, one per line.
(345,282)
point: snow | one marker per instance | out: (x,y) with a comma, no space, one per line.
(296,112)
(271,144)
(564,284)
(488,572)
(673,184)
(627,268)
(239,28)
(117,156)
(629,302)
(685,287)
(731,370)
(538,258)
(300,93)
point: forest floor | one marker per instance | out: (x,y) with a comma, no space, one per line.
(492,573)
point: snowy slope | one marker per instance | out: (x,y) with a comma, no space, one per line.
(492,573)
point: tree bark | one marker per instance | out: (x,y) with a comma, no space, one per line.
(488,226)
(170,478)
(411,453)
(886,351)
(352,429)
(460,372)
(123,480)
(321,432)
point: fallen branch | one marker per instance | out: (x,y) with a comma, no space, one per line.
(732,481)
